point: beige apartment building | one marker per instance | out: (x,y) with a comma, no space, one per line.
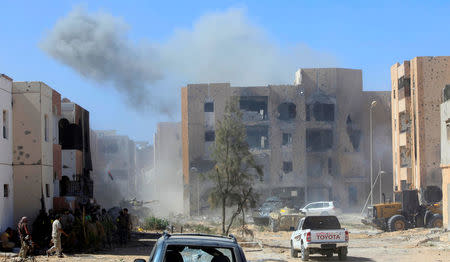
(32,148)
(445,154)
(416,132)
(312,137)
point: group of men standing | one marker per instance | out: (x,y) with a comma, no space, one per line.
(107,230)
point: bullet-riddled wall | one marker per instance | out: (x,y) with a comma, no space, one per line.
(416,95)
(32,148)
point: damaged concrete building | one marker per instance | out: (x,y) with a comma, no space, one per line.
(166,179)
(114,167)
(312,138)
(6,154)
(32,148)
(75,185)
(416,137)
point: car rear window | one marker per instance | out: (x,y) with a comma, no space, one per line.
(321,222)
(189,253)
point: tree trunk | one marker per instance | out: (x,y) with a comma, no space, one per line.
(223,214)
(243,218)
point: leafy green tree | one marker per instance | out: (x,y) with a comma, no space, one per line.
(235,171)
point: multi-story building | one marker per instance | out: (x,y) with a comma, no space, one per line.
(144,164)
(416,94)
(166,181)
(6,155)
(76,185)
(114,167)
(32,148)
(312,138)
(445,154)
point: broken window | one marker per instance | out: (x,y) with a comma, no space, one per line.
(354,133)
(258,137)
(308,113)
(287,167)
(47,190)
(318,140)
(287,111)
(254,108)
(323,112)
(404,122)
(5,124)
(5,190)
(46,128)
(209,107)
(210,136)
(405,157)
(287,139)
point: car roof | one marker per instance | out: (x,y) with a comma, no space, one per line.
(199,239)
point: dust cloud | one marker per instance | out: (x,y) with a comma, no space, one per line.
(219,47)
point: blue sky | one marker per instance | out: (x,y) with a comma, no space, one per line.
(367,35)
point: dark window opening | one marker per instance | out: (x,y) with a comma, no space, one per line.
(47,190)
(330,166)
(448,128)
(287,139)
(318,140)
(352,195)
(323,112)
(70,135)
(5,124)
(210,136)
(258,137)
(394,93)
(308,113)
(446,93)
(209,107)
(287,167)
(314,167)
(5,190)
(287,111)
(253,107)
(353,133)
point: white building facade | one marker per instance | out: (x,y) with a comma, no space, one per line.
(6,172)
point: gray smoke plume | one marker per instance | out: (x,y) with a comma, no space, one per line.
(97,47)
(220,47)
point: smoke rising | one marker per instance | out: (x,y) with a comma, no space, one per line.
(97,47)
(220,47)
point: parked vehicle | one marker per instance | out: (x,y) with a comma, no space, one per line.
(261,216)
(322,208)
(285,219)
(409,212)
(196,247)
(319,235)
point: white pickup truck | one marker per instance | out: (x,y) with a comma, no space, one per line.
(319,235)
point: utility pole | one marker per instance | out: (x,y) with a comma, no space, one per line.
(372,105)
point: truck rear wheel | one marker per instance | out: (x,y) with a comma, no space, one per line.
(397,223)
(305,254)
(294,253)
(435,221)
(342,253)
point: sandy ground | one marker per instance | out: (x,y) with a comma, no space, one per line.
(366,244)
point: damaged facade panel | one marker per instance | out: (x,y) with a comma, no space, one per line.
(308,138)
(417,87)
(32,148)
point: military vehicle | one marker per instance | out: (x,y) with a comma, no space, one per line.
(408,213)
(137,207)
(285,219)
(261,215)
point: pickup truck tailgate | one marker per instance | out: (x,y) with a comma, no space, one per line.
(328,236)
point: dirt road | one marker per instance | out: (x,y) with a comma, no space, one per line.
(366,244)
